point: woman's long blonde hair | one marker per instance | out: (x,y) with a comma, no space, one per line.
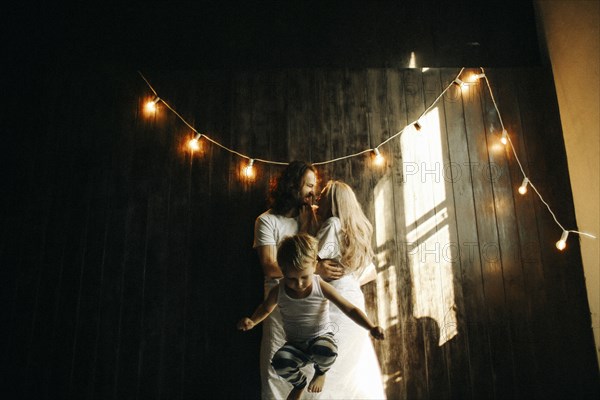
(356,232)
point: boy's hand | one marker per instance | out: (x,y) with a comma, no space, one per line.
(377,333)
(245,324)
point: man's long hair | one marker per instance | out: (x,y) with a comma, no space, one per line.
(283,193)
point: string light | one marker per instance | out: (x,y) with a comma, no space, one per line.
(194,143)
(523,187)
(248,170)
(379,160)
(504,138)
(562,243)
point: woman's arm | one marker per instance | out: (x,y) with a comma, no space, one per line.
(262,311)
(353,312)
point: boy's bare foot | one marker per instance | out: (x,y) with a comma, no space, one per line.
(296,393)
(317,383)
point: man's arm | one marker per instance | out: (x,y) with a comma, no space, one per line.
(329,270)
(353,312)
(262,311)
(267,256)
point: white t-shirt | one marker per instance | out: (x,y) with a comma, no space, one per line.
(271,229)
(329,240)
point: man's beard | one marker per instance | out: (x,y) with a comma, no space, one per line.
(306,201)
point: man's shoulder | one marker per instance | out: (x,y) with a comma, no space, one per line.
(270,215)
(266,215)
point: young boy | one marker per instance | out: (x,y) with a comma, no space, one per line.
(302,299)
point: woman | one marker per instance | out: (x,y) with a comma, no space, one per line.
(345,236)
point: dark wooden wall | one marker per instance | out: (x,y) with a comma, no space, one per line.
(126,261)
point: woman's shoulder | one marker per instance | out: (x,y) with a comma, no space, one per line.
(331,221)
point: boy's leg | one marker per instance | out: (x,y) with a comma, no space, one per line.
(323,351)
(287,362)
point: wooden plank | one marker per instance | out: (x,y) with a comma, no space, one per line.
(330,83)
(416,203)
(356,131)
(298,91)
(472,324)
(393,249)
(493,283)
(453,344)
(539,116)
(523,291)
(383,102)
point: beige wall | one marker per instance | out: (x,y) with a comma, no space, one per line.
(570,28)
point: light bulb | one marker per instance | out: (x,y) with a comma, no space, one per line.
(379,159)
(523,187)
(248,170)
(562,243)
(504,138)
(194,143)
(476,77)
(151,105)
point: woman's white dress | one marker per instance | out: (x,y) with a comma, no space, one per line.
(356,373)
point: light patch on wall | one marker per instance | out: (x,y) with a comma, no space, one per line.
(427,227)
(387,280)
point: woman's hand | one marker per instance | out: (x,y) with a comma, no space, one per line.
(329,270)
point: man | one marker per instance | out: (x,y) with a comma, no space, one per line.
(291,197)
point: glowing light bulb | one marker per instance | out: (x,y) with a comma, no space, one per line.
(194,143)
(523,187)
(504,138)
(248,170)
(476,77)
(151,105)
(562,243)
(379,159)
